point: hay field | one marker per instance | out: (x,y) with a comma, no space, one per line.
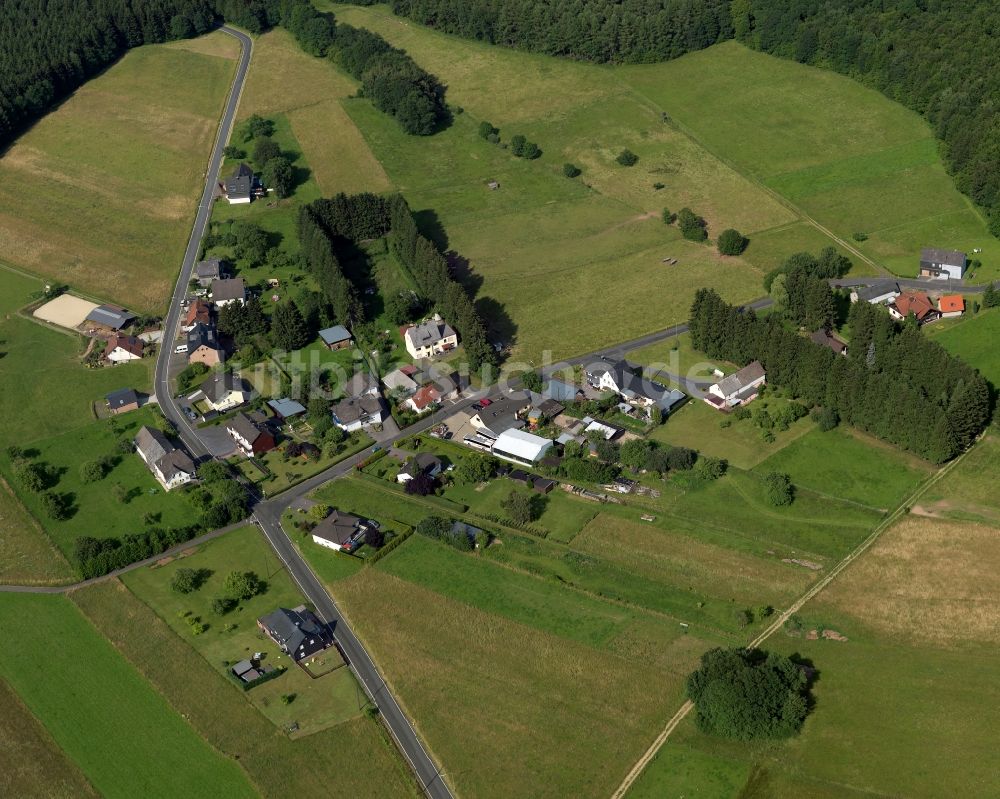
(100,192)
(27,556)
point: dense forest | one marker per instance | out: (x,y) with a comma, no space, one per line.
(938,57)
(48,48)
(895,384)
(324,226)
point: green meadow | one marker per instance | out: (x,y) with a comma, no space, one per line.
(118,730)
(973,338)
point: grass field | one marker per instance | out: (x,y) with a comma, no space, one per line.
(100,192)
(676,356)
(355,755)
(903,707)
(318,703)
(63,455)
(842,153)
(973,338)
(100,711)
(33,763)
(969,491)
(26,554)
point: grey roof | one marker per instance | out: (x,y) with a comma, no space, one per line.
(933,255)
(209,268)
(242,667)
(360,383)
(122,397)
(737,381)
(202,335)
(428,332)
(669,399)
(560,390)
(175,462)
(152,443)
(221,383)
(228,289)
(633,385)
(240,182)
(398,379)
(826,339)
(298,632)
(243,426)
(286,407)
(110,316)
(869,293)
(335,334)
(353,409)
(338,528)
(422,463)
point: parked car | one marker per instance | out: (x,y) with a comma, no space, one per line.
(181,348)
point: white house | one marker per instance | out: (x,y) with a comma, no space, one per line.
(738,388)
(228,290)
(341,532)
(224,390)
(400,380)
(172,467)
(878,294)
(239,186)
(619,377)
(123,348)
(942,264)
(518,446)
(431,337)
(355,413)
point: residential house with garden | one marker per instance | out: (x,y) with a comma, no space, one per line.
(203,345)
(825,338)
(431,337)
(198,312)
(224,391)
(227,290)
(239,186)
(172,467)
(423,463)
(252,439)
(622,378)
(121,349)
(297,632)
(951,305)
(208,271)
(917,304)
(738,388)
(123,400)
(340,531)
(942,264)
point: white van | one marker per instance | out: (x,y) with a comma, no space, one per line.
(181,348)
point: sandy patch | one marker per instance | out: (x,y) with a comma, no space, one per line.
(66,311)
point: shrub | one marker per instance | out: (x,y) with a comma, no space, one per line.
(692,226)
(242,585)
(54,506)
(859,236)
(234,153)
(517,144)
(709,468)
(668,216)
(222,605)
(571,170)
(518,506)
(374,538)
(486,130)
(627,158)
(184,581)
(778,489)
(731,242)
(825,418)
(748,695)
(30,476)
(91,471)
(531,151)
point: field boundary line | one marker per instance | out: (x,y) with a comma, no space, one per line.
(901,510)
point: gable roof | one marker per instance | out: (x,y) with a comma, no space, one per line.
(240,182)
(933,255)
(198,311)
(880,289)
(296,631)
(130,344)
(951,303)
(352,409)
(916,303)
(561,390)
(428,332)
(737,381)
(202,335)
(110,316)
(422,463)
(122,397)
(228,289)
(425,396)
(521,444)
(398,379)
(175,462)
(209,268)
(286,407)
(824,338)
(335,334)
(244,427)
(152,443)
(361,383)
(337,527)
(219,384)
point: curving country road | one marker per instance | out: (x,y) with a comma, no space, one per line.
(268,515)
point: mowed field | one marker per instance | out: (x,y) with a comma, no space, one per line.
(843,154)
(123,736)
(100,192)
(974,339)
(904,707)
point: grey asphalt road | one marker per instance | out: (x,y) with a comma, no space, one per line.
(268,516)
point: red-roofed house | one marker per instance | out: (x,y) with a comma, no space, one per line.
(916,303)
(423,399)
(198,312)
(951,305)
(123,348)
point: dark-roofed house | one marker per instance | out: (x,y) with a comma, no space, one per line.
(297,632)
(170,466)
(123,400)
(123,348)
(251,438)
(877,294)
(343,532)
(286,408)
(224,390)
(738,388)
(228,290)
(203,345)
(422,463)
(825,338)
(109,317)
(361,384)
(942,264)
(354,413)
(238,187)
(208,271)
(621,378)
(431,337)
(337,337)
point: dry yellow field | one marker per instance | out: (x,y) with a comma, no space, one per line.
(100,192)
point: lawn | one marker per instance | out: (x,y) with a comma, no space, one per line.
(100,193)
(570,716)
(318,703)
(63,455)
(969,491)
(849,465)
(973,338)
(676,356)
(100,711)
(26,554)
(286,473)
(225,718)
(903,707)
(837,151)
(698,425)
(34,765)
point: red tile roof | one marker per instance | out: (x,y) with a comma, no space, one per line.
(951,303)
(198,311)
(428,395)
(128,343)
(916,303)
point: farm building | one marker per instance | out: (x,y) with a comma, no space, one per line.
(942,264)
(826,339)
(109,318)
(518,446)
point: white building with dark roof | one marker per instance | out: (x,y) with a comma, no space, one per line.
(942,264)
(738,388)
(431,337)
(172,467)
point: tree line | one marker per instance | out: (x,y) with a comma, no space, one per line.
(324,225)
(895,384)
